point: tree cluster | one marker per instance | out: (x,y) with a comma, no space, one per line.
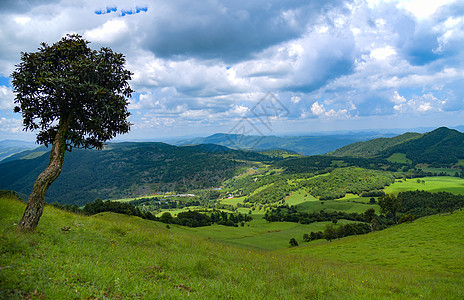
(346,180)
(331,232)
(284,213)
(197,219)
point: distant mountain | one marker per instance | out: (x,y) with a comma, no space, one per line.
(373,147)
(128,170)
(441,146)
(10,147)
(306,145)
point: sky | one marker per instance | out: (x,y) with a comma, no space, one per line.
(265,67)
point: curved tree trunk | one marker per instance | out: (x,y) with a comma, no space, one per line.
(36,201)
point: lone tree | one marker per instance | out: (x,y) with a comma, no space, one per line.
(74,97)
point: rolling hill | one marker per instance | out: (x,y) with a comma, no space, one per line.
(127,170)
(11,147)
(373,147)
(442,146)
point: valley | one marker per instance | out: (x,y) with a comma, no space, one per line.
(206,220)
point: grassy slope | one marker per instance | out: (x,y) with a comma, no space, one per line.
(431,244)
(115,256)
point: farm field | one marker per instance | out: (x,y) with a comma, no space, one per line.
(432,184)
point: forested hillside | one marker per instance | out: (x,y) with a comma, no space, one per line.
(373,147)
(129,169)
(443,146)
(440,147)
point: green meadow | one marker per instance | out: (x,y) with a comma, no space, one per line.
(431,244)
(432,184)
(112,256)
(399,158)
(257,234)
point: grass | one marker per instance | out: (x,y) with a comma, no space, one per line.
(335,205)
(299,197)
(233,201)
(432,184)
(447,171)
(258,234)
(399,158)
(111,256)
(431,244)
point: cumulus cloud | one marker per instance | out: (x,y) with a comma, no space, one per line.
(6,98)
(10,125)
(421,104)
(109,32)
(209,63)
(320,111)
(230,31)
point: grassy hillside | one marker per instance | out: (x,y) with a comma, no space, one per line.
(373,147)
(432,244)
(111,256)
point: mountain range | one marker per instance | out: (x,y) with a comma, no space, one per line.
(10,147)
(305,145)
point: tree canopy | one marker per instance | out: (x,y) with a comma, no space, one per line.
(68,81)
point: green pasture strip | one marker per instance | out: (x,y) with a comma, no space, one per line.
(336,205)
(356,198)
(448,171)
(139,197)
(233,201)
(432,184)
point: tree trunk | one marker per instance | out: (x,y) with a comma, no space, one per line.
(36,201)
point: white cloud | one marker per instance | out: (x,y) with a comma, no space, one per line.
(422,9)
(6,98)
(397,98)
(295,99)
(320,111)
(109,32)
(382,53)
(317,109)
(241,110)
(10,125)
(421,104)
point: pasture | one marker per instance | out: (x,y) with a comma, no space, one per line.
(435,184)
